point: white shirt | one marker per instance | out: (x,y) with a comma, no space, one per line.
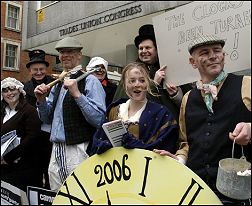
(9,113)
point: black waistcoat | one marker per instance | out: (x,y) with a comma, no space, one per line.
(77,129)
(208,134)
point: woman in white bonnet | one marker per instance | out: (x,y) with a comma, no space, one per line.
(19,167)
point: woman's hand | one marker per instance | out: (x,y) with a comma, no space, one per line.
(165,153)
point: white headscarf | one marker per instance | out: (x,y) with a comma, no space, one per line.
(12,82)
(97,61)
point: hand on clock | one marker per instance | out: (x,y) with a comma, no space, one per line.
(165,153)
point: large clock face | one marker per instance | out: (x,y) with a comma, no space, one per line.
(135,176)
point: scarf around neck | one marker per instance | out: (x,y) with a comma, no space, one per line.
(210,90)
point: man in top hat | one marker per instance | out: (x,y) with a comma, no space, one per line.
(147,53)
(102,74)
(75,110)
(213,114)
(38,69)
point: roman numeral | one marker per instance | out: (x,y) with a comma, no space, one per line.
(71,197)
(188,191)
(145,175)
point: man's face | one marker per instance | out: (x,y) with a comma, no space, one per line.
(38,71)
(209,60)
(69,58)
(147,52)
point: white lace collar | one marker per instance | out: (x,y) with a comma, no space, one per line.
(124,115)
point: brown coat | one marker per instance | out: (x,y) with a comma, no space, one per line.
(26,172)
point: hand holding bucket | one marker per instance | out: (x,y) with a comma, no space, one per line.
(229,181)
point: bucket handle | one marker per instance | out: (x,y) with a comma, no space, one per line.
(243,156)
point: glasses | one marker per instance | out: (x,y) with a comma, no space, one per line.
(11,89)
(99,68)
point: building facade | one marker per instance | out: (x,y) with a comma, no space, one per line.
(13,57)
(105,28)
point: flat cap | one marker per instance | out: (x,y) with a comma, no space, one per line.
(68,43)
(205,40)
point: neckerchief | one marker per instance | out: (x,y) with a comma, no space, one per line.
(104,82)
(210,90)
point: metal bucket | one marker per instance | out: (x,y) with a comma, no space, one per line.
(229,183)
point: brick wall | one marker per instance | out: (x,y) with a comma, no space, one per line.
(23,74)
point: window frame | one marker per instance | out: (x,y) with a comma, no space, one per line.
(39,5)
(19,6)
(17,62)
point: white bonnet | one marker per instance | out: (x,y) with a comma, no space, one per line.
(12,82)
(97,61)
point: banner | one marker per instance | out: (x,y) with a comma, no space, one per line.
(11,195)
(40,196)
(175,30)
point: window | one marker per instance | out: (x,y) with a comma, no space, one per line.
(11,55)
(44,4)
(113,68)
(13,16)
(56,64)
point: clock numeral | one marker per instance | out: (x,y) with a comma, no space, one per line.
(188,191)
(125,168)
(145,175)
(117,171)
(109,202)
(71,197)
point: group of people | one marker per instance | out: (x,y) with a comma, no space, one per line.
(196,125)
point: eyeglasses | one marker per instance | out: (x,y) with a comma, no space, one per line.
(11,89)
(99,68)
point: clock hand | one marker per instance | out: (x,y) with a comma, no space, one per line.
(109,202)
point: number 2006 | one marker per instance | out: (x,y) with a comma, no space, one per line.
(108,172)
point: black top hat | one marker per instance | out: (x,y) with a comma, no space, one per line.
(145,32)
(37,56)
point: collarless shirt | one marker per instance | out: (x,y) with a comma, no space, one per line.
(92,106)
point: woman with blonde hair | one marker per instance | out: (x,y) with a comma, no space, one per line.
(149,125)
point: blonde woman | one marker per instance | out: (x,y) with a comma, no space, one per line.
(150,125)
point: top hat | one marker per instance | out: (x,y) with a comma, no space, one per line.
(205,40)
(37,56)
(145,32)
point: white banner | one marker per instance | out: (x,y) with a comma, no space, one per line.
(175,30)
(40,196)
(11,195)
